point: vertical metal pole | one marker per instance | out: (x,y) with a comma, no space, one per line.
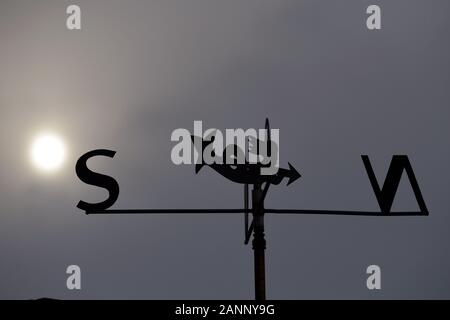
(259,243)
(246,211)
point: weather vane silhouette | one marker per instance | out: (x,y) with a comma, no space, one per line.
(250,174)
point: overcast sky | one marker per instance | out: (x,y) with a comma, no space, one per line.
(137,70)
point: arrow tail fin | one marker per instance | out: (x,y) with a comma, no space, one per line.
(198,167)
(198,141)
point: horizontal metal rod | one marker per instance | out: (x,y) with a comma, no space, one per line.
(162,211)
(347,212)
(277,211)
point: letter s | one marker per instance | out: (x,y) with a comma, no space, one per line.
(97,179)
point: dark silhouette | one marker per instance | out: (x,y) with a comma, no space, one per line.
(385,196)
(247,172)
(250,173)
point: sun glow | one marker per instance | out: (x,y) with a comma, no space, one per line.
(48,152)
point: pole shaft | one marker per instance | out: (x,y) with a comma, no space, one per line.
(259,244)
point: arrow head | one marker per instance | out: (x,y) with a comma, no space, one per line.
(293,174)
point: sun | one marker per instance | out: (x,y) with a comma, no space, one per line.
(48,152)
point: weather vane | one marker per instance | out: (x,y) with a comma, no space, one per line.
(250,173)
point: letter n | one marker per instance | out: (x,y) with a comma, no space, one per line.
(386,195)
